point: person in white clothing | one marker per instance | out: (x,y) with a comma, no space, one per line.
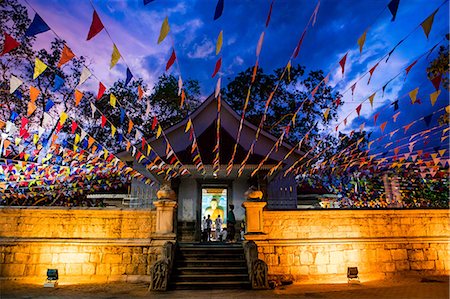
(218,222)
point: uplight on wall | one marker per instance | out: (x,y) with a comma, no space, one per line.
(52,278)
(352,273)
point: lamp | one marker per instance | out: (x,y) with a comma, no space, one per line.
(352,273)
(52,278)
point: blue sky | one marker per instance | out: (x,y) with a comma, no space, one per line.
(135,29)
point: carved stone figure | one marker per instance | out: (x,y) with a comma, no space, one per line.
(259,275)
(159,275)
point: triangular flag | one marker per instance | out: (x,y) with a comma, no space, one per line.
(183,97)
(113,130)
(9,44)
(375,117)
(74,126)
(171,60)
(115,56)
(180,85)
(103,121)
(410,67)
(219,42)
(39,68)
(48,105)
(437,81)
(14,83)
(101,90)
(165,28)
(78,97)
(129,77)
(217,67)
(361,41)
(122,115)
(90,141)
(154,122)
(31,108)
(342,63)
(66,56)
(408,126)
(260,43)
(219,9)
(34,93)
(434,96)
(141,92)
(96,26)
(442,152)
(371,99)
(427,119)
(299,45)
(371,72)
(325,114)
(85,74)
(395,104)
(217,91)
(188,125)
(58,82)
(130,126)
(358,109)
(93,109)
(37,26)
(413,95)
(393,7)
(158,132)
(63,117)
(428,23)
(394,117)
(383,126)
(112,100)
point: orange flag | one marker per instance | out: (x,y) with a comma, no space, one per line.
(78,97)
(140,92)
(130,126)
(34,93)
(31,108)
(66,56)
(383,126)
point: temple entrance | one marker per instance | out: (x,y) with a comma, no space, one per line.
(214,202)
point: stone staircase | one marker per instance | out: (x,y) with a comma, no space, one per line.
(209,266)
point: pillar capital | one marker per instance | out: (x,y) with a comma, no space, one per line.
(165,210)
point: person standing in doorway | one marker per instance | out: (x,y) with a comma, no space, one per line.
(208,228)
(231,221)
(204,229)
(218,222)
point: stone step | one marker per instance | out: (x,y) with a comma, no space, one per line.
(209,245)
(209,255)
(210,270)
(207,277)
(186,285)
(209,263)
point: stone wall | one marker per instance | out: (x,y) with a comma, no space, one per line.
(318,246)
(83,244)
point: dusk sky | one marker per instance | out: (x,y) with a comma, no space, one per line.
(135,27)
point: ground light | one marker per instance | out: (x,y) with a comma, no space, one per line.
(352,273)
(52,278)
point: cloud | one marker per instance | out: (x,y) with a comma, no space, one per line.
(202,50)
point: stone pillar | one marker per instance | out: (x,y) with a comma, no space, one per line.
(164,216)
(254,216)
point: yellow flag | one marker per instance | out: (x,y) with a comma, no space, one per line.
(63,117)
(371,99)
(413,95)
(434,96)
(325,114)
(188,125)
(39,68)
(426,25)
(113,130)
(289,70)
(165,28)
(114,57)
(112,100)
(158,133)
(35,138)
(77,139)
(78,97)
(361,41)
(31,108)
(219,42)
(149,148)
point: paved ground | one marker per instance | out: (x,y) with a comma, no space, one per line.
(405,289)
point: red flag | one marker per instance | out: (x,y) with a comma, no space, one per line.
(383,126)
(437,81)
(143,143)
(103,121)
(371,72)
(74,126)
(338,101)
(410,67)
(353,88)
(9,44)
(101,90)
(375,118)
(96,26)
(217,68)
(270,13)
(154,122)
(342,63)
(171,60)
(297,49)
(358,109)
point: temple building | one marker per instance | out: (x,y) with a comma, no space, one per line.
(199,189)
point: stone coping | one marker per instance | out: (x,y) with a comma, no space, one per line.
(355,212)
(43,208)
(78,241)
(323,241)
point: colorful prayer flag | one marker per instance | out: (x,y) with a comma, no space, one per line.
(66,56)
(37,26)
(9,44)
(96,26)
(219,42)
(171,60)
(39,68)
(165,28)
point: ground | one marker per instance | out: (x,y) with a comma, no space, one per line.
(405,289)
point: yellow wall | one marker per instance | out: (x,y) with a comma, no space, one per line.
(83,244)
(319,245)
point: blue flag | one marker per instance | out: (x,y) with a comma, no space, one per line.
(122,115)
(58,83)
(49,105)
(129,76)
(147,1)
(18,94)
(219,9)
(37,26)
(14,115)
(119,138)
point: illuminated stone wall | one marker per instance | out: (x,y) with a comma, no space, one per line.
(318,246)
(83,244)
